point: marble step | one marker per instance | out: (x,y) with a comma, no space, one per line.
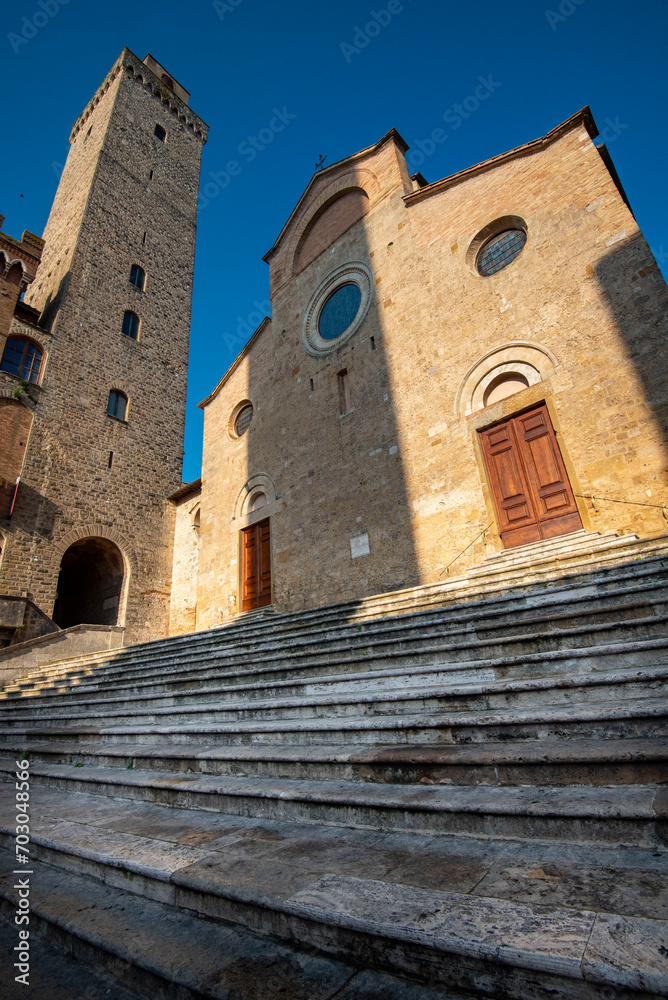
(612,814)
(526,762)
(169,953)
(229,634)
(198,670)
(428,692)
(495,919)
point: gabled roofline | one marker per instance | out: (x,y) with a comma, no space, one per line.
(237,361)
(582,117)
(187,490)
(392,135)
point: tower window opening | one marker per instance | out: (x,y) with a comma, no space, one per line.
(344,392)
(111,459)
(130,324)
(167,80)
(137,277)
(150,176)
(143,239)
(117,405)
(23,358)
(160,133)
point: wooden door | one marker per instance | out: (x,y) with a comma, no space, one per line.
(532,494)
(256,566)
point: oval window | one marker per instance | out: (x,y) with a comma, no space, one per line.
(339,311)
(243,421)
(500,251)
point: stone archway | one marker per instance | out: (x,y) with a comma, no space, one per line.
(90,584)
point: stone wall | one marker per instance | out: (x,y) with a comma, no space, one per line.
(183,604)
(387,494)
(125,197)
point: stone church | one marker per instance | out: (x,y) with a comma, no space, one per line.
(450,368)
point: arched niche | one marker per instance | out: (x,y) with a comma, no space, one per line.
(329,222)
(530,362)
(249,507)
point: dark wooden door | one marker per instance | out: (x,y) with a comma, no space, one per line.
(532,494)
(256,566)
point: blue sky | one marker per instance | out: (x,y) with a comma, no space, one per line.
(340,75)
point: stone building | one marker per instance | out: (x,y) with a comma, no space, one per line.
(101,342)
(449,369)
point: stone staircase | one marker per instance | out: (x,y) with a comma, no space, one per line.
(452,790)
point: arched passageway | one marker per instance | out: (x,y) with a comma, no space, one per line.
(89,584)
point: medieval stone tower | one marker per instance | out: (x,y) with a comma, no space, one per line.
(90,535)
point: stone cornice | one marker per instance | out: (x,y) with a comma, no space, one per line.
(583,117)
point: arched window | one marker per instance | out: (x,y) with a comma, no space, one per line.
(503,386)
(130,324)
(23,358)
(117,405)
(167,80)
(137,277)
(258,501)
(160,133)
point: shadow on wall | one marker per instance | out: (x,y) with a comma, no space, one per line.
(324,428)
(637,297)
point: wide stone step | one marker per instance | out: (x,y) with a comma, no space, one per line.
(220,637)
(612,638)
(528,762)
(170,953)
(642,718)
(195,672)
(427,691)
(496,919)
(616,814)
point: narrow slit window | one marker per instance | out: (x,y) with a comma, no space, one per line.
(344,392)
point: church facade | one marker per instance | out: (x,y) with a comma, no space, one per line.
(449,369)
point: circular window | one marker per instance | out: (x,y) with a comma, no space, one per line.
(500,251)
(243,421)
(339,311)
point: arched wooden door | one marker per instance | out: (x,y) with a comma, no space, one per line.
(256,566)
(530,487)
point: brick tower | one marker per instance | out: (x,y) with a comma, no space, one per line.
(89,539)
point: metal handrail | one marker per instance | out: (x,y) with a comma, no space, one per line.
(582,496)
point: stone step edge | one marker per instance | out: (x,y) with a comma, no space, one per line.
(581,802)
(645,708)
(479,928)
(210,636)
(111,677)
(529,752)
(133,953)
(377,653)
(441,690)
